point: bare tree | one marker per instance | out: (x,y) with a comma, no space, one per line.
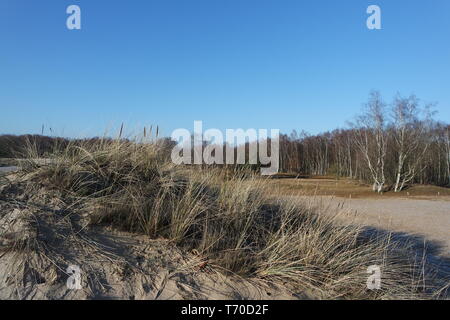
(371,139)
(408,147)
(409,137)
(447,152)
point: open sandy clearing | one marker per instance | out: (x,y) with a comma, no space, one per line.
(429,218)
(421,210)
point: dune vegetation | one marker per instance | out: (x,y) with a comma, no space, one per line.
(225,214)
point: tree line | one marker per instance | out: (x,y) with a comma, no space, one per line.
(389,145)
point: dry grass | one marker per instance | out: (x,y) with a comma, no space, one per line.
(228,218)
(348,188)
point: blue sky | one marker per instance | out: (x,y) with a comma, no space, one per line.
(231,63)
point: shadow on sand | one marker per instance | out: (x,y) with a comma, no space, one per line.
(429,255)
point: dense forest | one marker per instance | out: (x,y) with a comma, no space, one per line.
(388,145)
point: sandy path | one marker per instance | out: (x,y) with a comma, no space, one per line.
(429,218)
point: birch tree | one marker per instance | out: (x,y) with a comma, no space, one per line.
(410,134)
(447,152)
(371,139)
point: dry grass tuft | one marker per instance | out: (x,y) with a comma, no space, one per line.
(229,219)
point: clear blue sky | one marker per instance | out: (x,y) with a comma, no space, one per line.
(231,63)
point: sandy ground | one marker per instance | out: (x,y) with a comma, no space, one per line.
(41,238)
(421,211)
(422,223)
(427,218)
